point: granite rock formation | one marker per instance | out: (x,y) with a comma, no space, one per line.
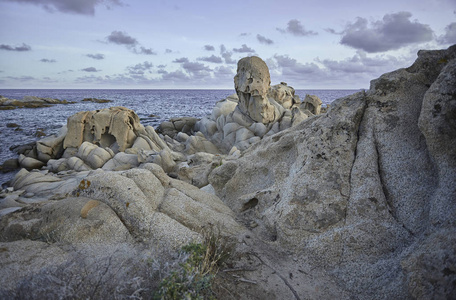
(355,203)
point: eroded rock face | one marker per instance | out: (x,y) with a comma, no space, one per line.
(363,185)
(252,83)
(104,127)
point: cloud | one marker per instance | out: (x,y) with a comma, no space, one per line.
(331,30)
(195,67)
(361,63)
(121,38)
(209,48)
(450,34)
(212,59)
(45,60)
(296,28)
(291,66)
(245,34)
(21,78)
(264,40)
(244,49)
(97,56)
(394,31)
(167,51)
(227,55)
(147,51)
(85,7)
(90,69)
(124,39)
(180,60)
(22,48)
(140,69)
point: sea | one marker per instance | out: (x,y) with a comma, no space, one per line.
(152,106)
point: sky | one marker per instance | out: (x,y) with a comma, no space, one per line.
(182,44)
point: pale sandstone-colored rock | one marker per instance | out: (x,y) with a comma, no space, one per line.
(312,103)
(51,146)
(252,84)
(196,144)
(104,127)
(30,163)
(57,165)
(176,125)
(121,161)
(77,164)
(94,156)
(284,95)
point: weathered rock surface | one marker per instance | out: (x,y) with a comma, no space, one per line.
(356,203)
(256,110)
(363,186)
(104,127)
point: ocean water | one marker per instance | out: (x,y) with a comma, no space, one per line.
(152,107)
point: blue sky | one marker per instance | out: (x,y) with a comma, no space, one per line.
(310,44)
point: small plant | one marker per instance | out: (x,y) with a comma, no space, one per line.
(201,261)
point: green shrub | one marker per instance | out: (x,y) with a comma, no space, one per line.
(200,263)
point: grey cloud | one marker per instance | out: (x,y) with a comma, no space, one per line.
(245,34)
(181,60)
(97,56)
(212,59)
(90,69)
(161,66)
(147,51)
(244,49)
(176,76)
(22,48)
(168,51)
(140,68)
(21,78)
(333,31)
(450,35)
(296,28)
(45,60)
(264,40)
(392,32)
(121,38)
(224,73)
(227,55)
(209,48)
(86,7)
(291,66)
(195,67)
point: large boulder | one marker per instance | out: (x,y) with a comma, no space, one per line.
(252,83)
(115,127)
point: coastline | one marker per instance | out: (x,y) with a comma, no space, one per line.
(354,201)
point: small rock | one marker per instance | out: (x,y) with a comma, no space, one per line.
(12,125)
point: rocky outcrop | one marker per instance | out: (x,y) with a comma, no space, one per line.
(115,127)
(256,110)
(29,102)
(356,203)
(365,187)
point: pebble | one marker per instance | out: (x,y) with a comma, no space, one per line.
(29,195)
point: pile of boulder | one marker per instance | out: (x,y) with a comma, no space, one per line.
(355,203)
(256,110)
(187,148)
